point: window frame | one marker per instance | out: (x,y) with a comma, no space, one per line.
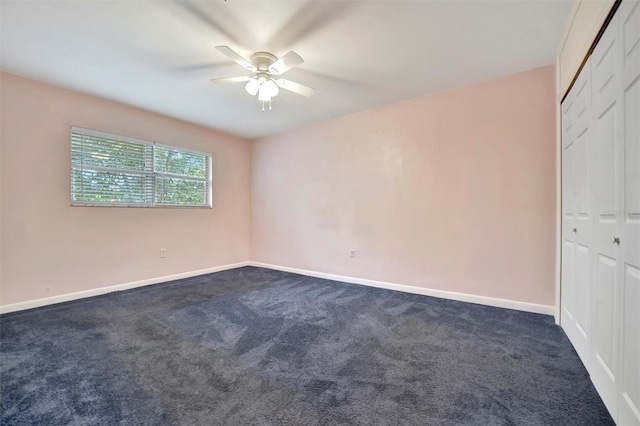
(149,173)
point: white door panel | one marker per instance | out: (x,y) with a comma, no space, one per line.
(607,123)
(582,100)
(605,331)
(629,217)
(567,120)
(630,33)
(576,294)
(581,179)
(567,285)
(567,190)
(629,401)
(632,150)
(581,297)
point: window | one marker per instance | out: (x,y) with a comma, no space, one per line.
(111,170)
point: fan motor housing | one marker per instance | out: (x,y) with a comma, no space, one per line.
(262,60)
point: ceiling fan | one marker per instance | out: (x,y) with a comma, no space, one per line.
(266,66)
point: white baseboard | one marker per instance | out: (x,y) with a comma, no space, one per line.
(119,287)
(443,294)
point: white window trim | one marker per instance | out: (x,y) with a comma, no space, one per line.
(151,174)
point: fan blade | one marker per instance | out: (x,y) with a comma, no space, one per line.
(294,87)
(240,79)
(236,57)
(284,64)
(220,22)
(312,19)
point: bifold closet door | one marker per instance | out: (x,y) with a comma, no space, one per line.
(600,297)
(629,216)
(605,181)
(576,232)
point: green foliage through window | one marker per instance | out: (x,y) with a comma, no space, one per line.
(119,171)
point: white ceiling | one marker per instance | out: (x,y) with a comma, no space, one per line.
(160,55)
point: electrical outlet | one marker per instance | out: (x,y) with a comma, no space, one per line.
(163,252)
(352,253)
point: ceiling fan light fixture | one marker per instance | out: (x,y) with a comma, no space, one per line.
(252,87)
(265,65)
(272,88)
(264,95)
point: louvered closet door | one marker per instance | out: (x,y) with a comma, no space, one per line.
(575,297)
(605,180)
(629,217)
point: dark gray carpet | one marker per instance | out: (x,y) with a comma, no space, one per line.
(253,346)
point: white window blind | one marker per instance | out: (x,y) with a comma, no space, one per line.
(111,170)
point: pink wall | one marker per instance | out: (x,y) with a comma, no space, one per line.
(46,244)
(454,191)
